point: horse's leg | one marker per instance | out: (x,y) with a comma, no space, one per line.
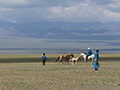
(84,60)
(59,61)
(68,61)
(65,62)
(72,62)
(92,61)
(62,62)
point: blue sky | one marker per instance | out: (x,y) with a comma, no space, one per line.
(19,11)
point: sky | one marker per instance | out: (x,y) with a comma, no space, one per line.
(20,11)
(26,11)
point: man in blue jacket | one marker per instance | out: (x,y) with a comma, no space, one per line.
(88,54)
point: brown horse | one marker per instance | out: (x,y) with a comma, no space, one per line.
(75,60)
(64,57)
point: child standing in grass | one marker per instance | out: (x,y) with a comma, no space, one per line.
(44,58)
(96,58)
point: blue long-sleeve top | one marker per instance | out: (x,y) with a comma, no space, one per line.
(44,57)
(89,53)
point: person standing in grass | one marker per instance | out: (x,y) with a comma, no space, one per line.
(44,59)
(96,58)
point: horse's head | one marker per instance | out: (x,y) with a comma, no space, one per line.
(82,54)
(78,57)
(71,55)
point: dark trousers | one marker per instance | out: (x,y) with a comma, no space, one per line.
(86,58)
(44,62)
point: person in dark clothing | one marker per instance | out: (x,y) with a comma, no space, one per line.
(44,58)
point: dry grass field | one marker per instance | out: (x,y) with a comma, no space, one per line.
(26,72)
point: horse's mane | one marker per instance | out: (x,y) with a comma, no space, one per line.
(70,54)
(84,52)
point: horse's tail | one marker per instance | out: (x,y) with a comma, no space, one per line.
(57,59)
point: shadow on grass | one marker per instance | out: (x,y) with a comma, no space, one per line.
(109,58)
(20,60)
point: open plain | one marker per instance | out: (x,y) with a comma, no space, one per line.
(26,72)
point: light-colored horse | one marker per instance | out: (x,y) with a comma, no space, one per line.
(64,57)
(75,60)
(83,54)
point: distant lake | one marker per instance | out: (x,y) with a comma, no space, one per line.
(53,51)
(22,45)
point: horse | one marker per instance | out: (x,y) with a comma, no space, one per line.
(83,54)
(64,57)
(74,60)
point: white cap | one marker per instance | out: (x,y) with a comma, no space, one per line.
(88,48)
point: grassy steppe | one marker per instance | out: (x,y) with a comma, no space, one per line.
(26,72)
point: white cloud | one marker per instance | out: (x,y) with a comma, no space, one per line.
(82,12)
(74,10)
(6,9)
(109,16)
(14,2)
(7,31)
(114,5)
(55,10)
(49,34)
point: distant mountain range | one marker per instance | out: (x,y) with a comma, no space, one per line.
(62,30)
